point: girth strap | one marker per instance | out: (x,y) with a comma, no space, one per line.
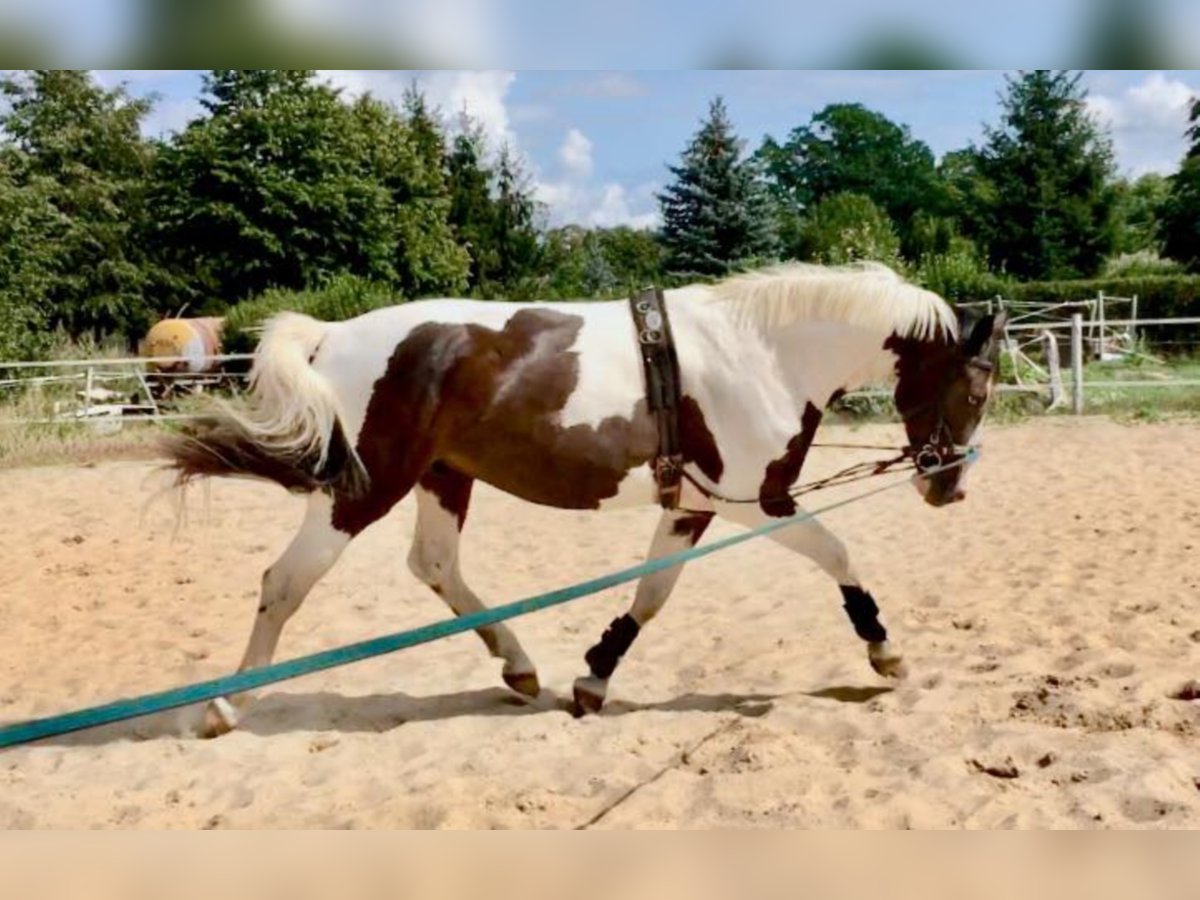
(663,391)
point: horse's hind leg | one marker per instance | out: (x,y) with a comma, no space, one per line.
(442,499)
(312,552)
(677,530)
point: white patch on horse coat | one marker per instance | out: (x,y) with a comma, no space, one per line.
(754,350)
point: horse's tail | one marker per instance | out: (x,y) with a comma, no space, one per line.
(289,430)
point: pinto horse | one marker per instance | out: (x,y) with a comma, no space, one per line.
(547,402)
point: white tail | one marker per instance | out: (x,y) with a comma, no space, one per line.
(292,409)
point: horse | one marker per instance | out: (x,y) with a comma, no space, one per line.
(547,401)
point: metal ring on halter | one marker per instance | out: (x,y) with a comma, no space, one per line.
(650,337)
(927,458)
(644,306)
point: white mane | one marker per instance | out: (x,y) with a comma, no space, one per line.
(867,295)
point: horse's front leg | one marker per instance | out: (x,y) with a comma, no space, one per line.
(814,540)
(677,530)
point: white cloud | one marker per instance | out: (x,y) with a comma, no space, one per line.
(171,115)
(570,198)
(576,153)
(607,84)
(1148,120)
(599,206)
(481,94)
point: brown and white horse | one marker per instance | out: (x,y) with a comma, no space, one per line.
(546,401)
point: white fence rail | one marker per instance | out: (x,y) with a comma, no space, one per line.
(92,374)
(97,402)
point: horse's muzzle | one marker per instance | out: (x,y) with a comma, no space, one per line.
(937,490)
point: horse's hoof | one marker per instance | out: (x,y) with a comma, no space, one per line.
(220,718)
(589,698)
(887,662)
(525,683)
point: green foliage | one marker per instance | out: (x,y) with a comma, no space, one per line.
(283,184)
(847,148)
(1180,216)
(1045,209)
(1139,264)
(27,213)
(959,274)
(1138,207)
(843,228)
(342,297)
(514,234)
(73,175)
(493,215)
(585,264)
(716,212)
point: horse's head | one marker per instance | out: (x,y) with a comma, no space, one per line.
(942,392)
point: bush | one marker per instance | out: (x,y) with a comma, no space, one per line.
(1140,264)
(847,227)
(958,274)
(342,297)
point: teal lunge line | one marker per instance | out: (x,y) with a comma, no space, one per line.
(36,729)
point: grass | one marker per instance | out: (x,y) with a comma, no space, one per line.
(26,439)
(57,443)
(1144,403)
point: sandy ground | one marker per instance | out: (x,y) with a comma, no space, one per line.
(1047,621)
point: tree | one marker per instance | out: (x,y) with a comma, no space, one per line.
(514,234)
(407,156)
(1138,205)
(716,212)
(74,177)
(1048,210)
(847,148)
(579,263)
(494,214)
(471,211)
(27,264)
(849,227)
(1180,223)
(283,185)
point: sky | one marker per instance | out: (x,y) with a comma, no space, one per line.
(597,144)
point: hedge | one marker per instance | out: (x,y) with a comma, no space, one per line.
(1159,297)
(343,297)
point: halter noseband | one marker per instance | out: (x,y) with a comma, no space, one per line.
(941,448)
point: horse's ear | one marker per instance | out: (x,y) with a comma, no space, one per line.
(985,335)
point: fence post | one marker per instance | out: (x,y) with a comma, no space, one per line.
(1054,367)
(1077,362)
(87,392)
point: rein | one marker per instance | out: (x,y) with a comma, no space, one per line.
(937,452)
(850,474)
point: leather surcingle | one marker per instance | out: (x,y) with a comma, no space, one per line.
(663,392)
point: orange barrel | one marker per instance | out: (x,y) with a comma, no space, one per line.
(194,340)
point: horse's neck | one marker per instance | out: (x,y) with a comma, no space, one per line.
(820,359)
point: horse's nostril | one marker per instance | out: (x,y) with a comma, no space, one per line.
(959,494)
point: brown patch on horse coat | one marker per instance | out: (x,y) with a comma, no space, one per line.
(919,376)
(697,442)
(486,404)
(452,489)
(692,526)
(782,473)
